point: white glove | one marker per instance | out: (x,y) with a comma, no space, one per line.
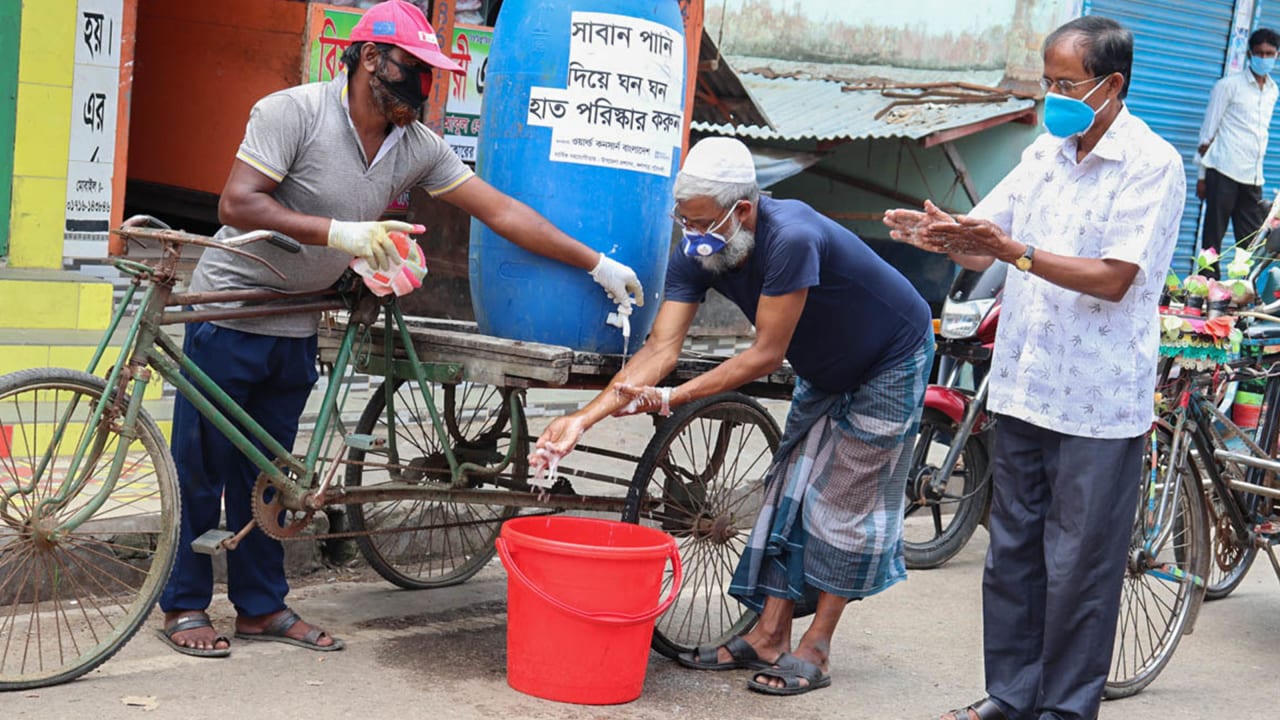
(619,281)
(369,240)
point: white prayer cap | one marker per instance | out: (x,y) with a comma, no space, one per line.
(720,159)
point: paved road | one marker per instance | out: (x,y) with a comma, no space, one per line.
(908,653)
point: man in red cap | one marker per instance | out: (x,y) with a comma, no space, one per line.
(320,163)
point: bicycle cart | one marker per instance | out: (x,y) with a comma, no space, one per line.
(699,477)
(1209,493)
(434,464)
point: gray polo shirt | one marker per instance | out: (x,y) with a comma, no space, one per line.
(303,138)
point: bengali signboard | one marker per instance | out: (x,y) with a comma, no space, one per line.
(623,104)
(328,29)
(94,106)
(470,48)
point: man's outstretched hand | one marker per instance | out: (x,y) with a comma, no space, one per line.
(370,240)
(559,439)
(936,231)
(619,281)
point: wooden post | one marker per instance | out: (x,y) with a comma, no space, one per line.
(692,10)
(116,245)
(443,25)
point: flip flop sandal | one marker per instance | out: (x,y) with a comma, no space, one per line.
(193,621)
(741,655)
(276,629)
(984,709)
(790,670)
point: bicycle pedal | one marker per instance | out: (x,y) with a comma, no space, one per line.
(210,542)
(365,442)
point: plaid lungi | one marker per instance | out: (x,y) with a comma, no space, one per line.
(832,514)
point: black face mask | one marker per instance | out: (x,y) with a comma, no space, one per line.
(413,87)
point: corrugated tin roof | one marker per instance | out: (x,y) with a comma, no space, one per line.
(807,101)
(720,97)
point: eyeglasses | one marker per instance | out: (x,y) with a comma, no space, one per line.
(700,227)
(1065,86)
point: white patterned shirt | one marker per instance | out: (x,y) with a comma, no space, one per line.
(1064,360)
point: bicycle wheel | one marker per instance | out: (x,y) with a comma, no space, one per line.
(937,525)
(71,595)
(422,543)
(701,479)
(1155,608)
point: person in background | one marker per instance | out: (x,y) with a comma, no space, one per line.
(319,163)
(1233,144)
(860,340)
(1089,218)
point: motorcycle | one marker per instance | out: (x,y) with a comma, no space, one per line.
(949,483)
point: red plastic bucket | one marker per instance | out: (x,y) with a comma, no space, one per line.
(582,596)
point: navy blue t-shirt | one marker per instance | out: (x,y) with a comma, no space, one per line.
(861,315)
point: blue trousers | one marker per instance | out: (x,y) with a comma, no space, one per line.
(271,378)
(1061,520)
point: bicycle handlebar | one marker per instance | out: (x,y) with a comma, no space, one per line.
(145,227)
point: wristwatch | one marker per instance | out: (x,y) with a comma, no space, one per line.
(1023,263)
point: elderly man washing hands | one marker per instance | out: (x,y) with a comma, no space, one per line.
(860,340)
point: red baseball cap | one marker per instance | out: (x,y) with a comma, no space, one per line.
(402,24)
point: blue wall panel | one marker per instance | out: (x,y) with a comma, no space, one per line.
(1179,52)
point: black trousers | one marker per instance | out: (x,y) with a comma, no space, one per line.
(1061,519)
(1225,199)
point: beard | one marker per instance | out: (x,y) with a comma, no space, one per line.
(736,249)
(392,108)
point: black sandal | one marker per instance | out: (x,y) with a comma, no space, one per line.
(741,655)
(984,709)
(277,631)
(193,621)
(790,670)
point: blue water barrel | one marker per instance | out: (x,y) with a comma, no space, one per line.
(582,120)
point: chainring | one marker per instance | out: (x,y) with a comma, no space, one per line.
(268,509)
(1226,553)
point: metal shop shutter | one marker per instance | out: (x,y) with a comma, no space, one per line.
(1268,16)
(1180,48)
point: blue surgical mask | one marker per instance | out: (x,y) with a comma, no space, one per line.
(1261,65)
(1065,116)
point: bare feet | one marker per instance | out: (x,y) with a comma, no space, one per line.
(197,638)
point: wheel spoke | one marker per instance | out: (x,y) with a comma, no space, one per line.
(452,541)
(71,594)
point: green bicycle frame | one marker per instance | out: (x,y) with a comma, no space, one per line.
(290,476)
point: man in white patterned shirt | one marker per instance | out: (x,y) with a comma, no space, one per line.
(1233,143)
(1090,217)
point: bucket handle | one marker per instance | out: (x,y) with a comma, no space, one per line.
(609,618)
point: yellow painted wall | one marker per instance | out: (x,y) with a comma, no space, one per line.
(45,69)
(34,293)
